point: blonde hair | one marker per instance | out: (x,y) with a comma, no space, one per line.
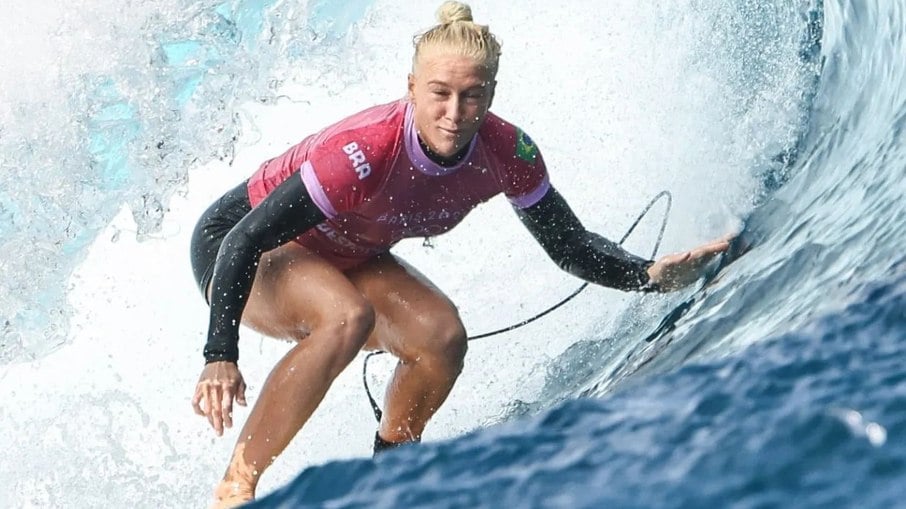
(457,33)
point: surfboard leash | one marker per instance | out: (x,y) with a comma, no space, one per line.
(378,413)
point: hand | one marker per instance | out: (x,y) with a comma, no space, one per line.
(220,382)
(675,271)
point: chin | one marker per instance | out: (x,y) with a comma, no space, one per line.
(446,149)
(446,146)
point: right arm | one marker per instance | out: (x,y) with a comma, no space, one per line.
(287,212)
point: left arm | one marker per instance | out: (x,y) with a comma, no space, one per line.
(576,250)
(581,252)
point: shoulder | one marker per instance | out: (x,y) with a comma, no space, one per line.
(376,132)
(359,145)
(509,142)
(518,163)
(349,159)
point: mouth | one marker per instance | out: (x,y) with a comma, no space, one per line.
(450,132)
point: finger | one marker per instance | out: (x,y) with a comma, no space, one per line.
(240,394)
(678,258)
(196,401)
(717,245)
(711,250)
(210,396)
(722,245)
(216,411)
(226,403)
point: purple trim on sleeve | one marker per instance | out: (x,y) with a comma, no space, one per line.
(316,191)
(418,156)
(527,200)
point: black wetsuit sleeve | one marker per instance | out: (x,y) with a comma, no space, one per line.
(287,212)
(580,252)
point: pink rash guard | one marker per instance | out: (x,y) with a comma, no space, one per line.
(372,180)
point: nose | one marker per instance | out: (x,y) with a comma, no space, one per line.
(455,112)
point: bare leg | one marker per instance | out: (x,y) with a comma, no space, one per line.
(418,324)
(299,295)
(294,292)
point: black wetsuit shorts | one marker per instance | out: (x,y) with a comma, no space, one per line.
(210,230)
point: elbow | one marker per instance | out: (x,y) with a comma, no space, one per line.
(240,243)
(568,262)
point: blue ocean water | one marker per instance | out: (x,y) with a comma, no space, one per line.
(811,417)
(773,383)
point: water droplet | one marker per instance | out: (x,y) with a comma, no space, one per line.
(876,434)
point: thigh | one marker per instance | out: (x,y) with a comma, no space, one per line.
(412,315)
(296,291)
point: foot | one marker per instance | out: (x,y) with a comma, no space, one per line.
(381,445)
(232,494)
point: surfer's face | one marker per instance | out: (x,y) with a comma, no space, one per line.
(451,95)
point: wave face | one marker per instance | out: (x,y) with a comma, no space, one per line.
(775,381)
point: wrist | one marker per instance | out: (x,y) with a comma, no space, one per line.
(211,355)
(648,283)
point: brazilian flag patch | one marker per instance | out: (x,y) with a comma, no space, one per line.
(525,147)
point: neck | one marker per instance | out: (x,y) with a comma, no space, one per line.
(441,160)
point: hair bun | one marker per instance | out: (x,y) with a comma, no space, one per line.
(451,12)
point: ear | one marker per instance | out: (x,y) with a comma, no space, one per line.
(411,87)
(493,88)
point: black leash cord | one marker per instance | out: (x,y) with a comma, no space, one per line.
(378,413)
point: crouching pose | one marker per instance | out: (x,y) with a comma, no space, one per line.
(301,250)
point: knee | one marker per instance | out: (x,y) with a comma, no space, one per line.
(348,328)
(443,341)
